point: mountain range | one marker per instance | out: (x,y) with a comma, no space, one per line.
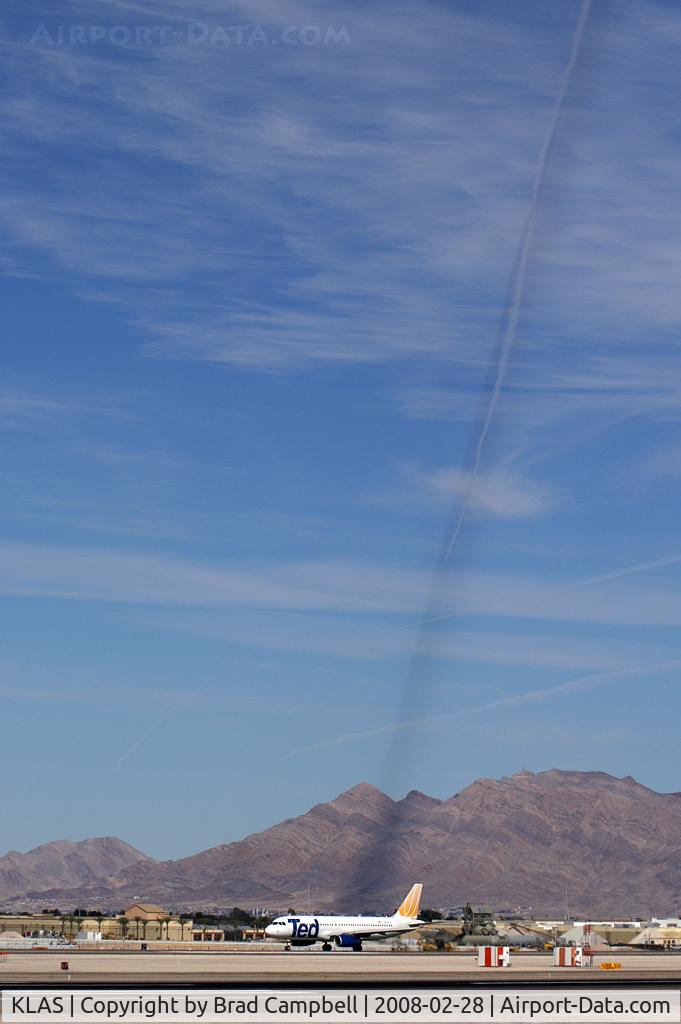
(611,845)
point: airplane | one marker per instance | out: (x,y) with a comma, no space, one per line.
(347,932)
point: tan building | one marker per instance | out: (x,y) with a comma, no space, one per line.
(149,922)
(666,938)
(207,933)
(146,922)
(36,925)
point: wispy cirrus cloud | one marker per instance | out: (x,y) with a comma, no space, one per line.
(374,179)
(499,492)
(348,639)
(339,261)
(111,695)
(572,384)
(18,408)
(22,408)
(116,576)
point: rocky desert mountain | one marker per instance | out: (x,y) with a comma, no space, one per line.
(518,841)
(63,864)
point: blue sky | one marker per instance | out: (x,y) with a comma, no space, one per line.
(257,264)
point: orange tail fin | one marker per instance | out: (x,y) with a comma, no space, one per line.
(411,902)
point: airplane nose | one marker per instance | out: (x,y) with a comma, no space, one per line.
(268,930)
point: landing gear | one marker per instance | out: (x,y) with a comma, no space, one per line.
(357,948)
(326,947)
(287,947)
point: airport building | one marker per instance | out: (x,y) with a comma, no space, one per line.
(146,922)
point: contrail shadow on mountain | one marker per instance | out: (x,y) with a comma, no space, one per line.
(385,865)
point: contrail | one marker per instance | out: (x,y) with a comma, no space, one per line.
(140,739)
(588,581)
(376,860)
(521,269)
(627,570)
(536,696)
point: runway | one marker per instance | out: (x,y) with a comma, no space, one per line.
(310,969)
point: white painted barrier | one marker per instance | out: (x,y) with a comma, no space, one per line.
(494,956)
(567,956)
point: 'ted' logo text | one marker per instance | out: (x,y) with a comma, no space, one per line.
(304,929)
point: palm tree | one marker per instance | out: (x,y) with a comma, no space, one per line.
(165,921)
(137,922)
(124,927)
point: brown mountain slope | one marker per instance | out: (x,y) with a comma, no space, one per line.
(63,864)
(612,842)
(515,841)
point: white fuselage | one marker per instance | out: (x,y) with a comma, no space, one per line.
(308,928)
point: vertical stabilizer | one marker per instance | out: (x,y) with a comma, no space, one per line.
(411,902)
